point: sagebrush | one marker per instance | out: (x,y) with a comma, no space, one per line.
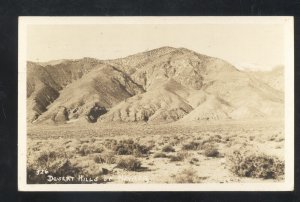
(255,165)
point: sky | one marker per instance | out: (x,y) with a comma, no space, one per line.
(239,44)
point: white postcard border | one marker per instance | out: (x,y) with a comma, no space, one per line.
(287,185)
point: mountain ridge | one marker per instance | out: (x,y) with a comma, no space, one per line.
(161,85)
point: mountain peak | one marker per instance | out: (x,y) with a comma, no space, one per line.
(161,50)
(165,48)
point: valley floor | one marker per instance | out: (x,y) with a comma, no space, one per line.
(161,153)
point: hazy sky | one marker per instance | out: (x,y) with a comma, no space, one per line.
(260,44)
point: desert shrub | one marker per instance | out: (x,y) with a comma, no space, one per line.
(129,147)
(213,139)
(110,143)
(194,160)
(211,152)
(150,144)
(105,157)
(97,159)
(87,149)
(49,158)
(180,156)
(191,146)
(66,169)
(279,139)
(67,142)
(43,158)
(272,137)
(183,154)
(175,158)
(188,175)
(175,141)
(245,164)
(168,148)
(160,143)
(160,155)
(97,150)
(129,163)
(84,150)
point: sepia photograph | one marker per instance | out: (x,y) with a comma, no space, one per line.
(156,104)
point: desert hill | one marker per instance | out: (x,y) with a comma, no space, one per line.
(44,83)
(102,86)
(165,84)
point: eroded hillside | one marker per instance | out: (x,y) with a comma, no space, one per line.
(162,85)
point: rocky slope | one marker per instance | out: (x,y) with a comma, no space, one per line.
(166,84)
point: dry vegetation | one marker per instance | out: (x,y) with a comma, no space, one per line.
(222,153)
(247,164)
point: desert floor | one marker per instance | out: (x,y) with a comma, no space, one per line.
(156,153)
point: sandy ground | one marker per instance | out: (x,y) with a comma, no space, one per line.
(68,140)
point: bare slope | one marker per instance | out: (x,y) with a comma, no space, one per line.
(163,103)
(45,82)
(103,87)
(214,89)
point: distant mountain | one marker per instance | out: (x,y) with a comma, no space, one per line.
(162,85)
(274,77)
(253,67)
(52,62)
